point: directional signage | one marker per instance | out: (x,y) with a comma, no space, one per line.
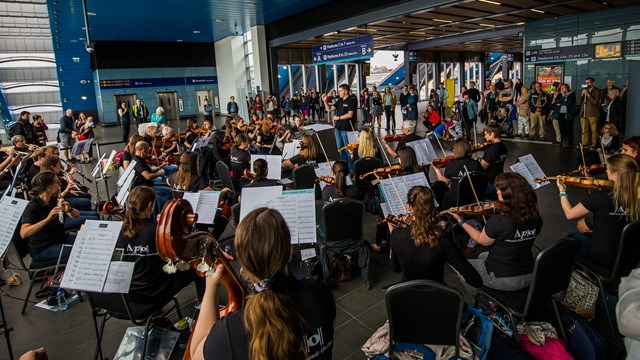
(413,56)
(558,54)
(632,47)
(360,47)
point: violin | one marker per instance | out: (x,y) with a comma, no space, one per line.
(247,174)
(440,162)
(397,220)
(391,138)
(581,182)
(481,147)
(391,170)
(183,249)
(350,147)
(483,208)
(595,169)
(329,180)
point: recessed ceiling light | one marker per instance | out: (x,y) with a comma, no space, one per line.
(196,31)
(219,20)
(251,4)
(490,2)
(520,23)
(538,11)
(488,25)
(91,13)
(331,33)
(83,97)
(179,40)
(442,20)
(416,33)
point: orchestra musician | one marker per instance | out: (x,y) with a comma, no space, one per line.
(366,147)
(130,151)
(510,234)
(20,144)
(240,160)
(296,131)
(7,162)
(631,147)
(308,154)
(340,189)
(282,313)
(345,110)
(409,132)
(446,188)
(190,134)
(265,137)
(260,173)
(599,235)
(150,136)
(41,227)
(146,176)
(494,157)
(421,250)
(37,158)
(149,283)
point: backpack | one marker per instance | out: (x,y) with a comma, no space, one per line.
(11,129)
(478,329)
(119,158)
(584,340)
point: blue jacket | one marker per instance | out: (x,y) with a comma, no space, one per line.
(232,107)
(472,109)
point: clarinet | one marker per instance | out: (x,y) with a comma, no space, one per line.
(61,213)
(71,180)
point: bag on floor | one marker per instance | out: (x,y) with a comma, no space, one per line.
(504,348)
(581,295)
(341,266)
(478,330)
(584,340)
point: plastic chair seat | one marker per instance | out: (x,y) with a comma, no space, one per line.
(516,300)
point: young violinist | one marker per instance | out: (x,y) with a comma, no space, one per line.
(283,314)
(494,156)
(191,135)
(340,189)
(308,154)
(265,137)
(510,234)
(631,147)
(612,211)
(149,283)
(129,151)
(260,172)
(240,160)
(146,176)
(187,177)
(421,250)
(407,158)
(409,132)
(366,147)
(446,188)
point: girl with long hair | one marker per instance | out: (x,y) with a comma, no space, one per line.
(420,250)
(187,177)
(283,314)
(129,151)
(339,190)
(612,211)
(240,160)
(446,188)
(308,154)
(631,146)
(510,234)
(366,146)
(265,137)
(261,171)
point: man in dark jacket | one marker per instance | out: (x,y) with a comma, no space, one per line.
(615,110)
(539,104)
(64,133)
(23,127)
(404,100)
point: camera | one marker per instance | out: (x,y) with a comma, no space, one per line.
(90,48)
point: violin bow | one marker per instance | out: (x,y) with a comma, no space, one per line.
(475,133)
(321,145)
(584,162)
(441,148)
(473,189)
(604,156)
(404,208)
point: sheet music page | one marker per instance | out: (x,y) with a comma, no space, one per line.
(417,179)
(385,209)
(288,210)
(395,196)
(307,253)
(207,206)
(119,277)
(96,169)
(123,194)
(521,169)
(192,198)
(253,198)
(201,142)
(90,257)
(353,136)
(126,173)
(424,150)
(305,215)
(532,165)
(11,210)
(290,149)
(109,162)
(274,162)
(318,127)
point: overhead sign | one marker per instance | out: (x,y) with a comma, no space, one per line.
(558,54)
(632,47)
(605,51)
(413,56)
(360,47)
(157,82)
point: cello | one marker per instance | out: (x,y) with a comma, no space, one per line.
(183,249)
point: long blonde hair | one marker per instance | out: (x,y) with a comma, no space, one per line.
(309,151)
(139,200)
(424,229)
(367,146)
(276,330)
(625,189)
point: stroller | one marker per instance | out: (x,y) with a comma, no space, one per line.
(504,118)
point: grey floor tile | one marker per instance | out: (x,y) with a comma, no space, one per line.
(374,317)
(349,338)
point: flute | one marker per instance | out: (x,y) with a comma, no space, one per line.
(61,213)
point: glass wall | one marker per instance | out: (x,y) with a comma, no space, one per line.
(292,78)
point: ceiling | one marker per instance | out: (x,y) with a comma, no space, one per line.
(462,18)
(185,20)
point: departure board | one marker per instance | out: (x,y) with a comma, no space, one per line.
(606,51)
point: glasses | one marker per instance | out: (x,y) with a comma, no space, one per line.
(606,128)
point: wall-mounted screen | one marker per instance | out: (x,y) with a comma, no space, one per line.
(605,51)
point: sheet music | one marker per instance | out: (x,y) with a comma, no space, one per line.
(290,149)
(305,217)
(396,197)
(274,162)
(521,169)
(96,169)
(385,209)
(90,257)
(318,127)
(253,198)
(126,173)
(532,165)
(11,210)
(123,194)
(353,136)
(307,253)
(207,206)
(119,277)
(111,157)
(288,210)
(424,150)
(200,142)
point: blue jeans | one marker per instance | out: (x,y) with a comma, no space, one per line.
(53,251)
(80,203)
(163,194)
(71,223)
(342,140)
(585,241)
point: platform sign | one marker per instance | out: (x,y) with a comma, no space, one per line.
(413,56)
(632,47)
(579,52)
(360,47)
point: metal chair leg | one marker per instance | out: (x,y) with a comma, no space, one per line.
(606,307)
(563,335)
(26,300)
(6,330)
(146,338)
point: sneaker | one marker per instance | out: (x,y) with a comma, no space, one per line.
(555,142)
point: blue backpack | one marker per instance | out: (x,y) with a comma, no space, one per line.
(478,330)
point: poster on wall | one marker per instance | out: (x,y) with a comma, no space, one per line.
(548,74)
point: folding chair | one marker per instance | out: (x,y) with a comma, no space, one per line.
(304,177)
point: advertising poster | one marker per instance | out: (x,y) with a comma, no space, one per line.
(548,74)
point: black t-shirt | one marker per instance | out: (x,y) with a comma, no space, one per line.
(426,262)
(228,339)
(141,166)
(266,139)
(148,139)
(197,183)
(342,108)
(301,160)
(240,160)
(495,155)
(474,94)
(263,183)
(33,171)
(52,233)
(329,193)
(510,254)
(608,224)
(126,157)
(407,139)
(455,171)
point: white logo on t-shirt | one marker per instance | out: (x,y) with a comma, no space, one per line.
(523,236)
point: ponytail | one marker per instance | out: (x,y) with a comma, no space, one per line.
(139,200)
(41,182)
(341,171)
(261,169)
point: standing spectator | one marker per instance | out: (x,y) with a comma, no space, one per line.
(377,109)
(158,116)
(523,112)
(590,99)
(463,90)
(506,94)
(286,109)
(474,94)
(140,112)
(389,102)
(443,95)
(433,99)
(207,110)
(259,107)
(517,87)
(539,104)
(354,119)
(23,127)
(365,105)
(556,123)
(64,133)
(469,113)
(565,112)
(124,117)
(272,105)
(232,106)
(403,101)
(615,110)
(314,105)
(304,108)
(39,131)
(295,105)
(499,84)
(412,104)
(484,115)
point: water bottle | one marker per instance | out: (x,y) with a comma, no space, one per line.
(62,300)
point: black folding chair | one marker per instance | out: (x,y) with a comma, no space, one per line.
(466,196)
(106,306)
(304,177)
(551,275)
(225,175)
(424,312)
(363,166)
(627,259)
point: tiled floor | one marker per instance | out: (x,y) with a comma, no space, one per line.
(70,335)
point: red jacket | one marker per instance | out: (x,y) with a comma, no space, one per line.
(433,117)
